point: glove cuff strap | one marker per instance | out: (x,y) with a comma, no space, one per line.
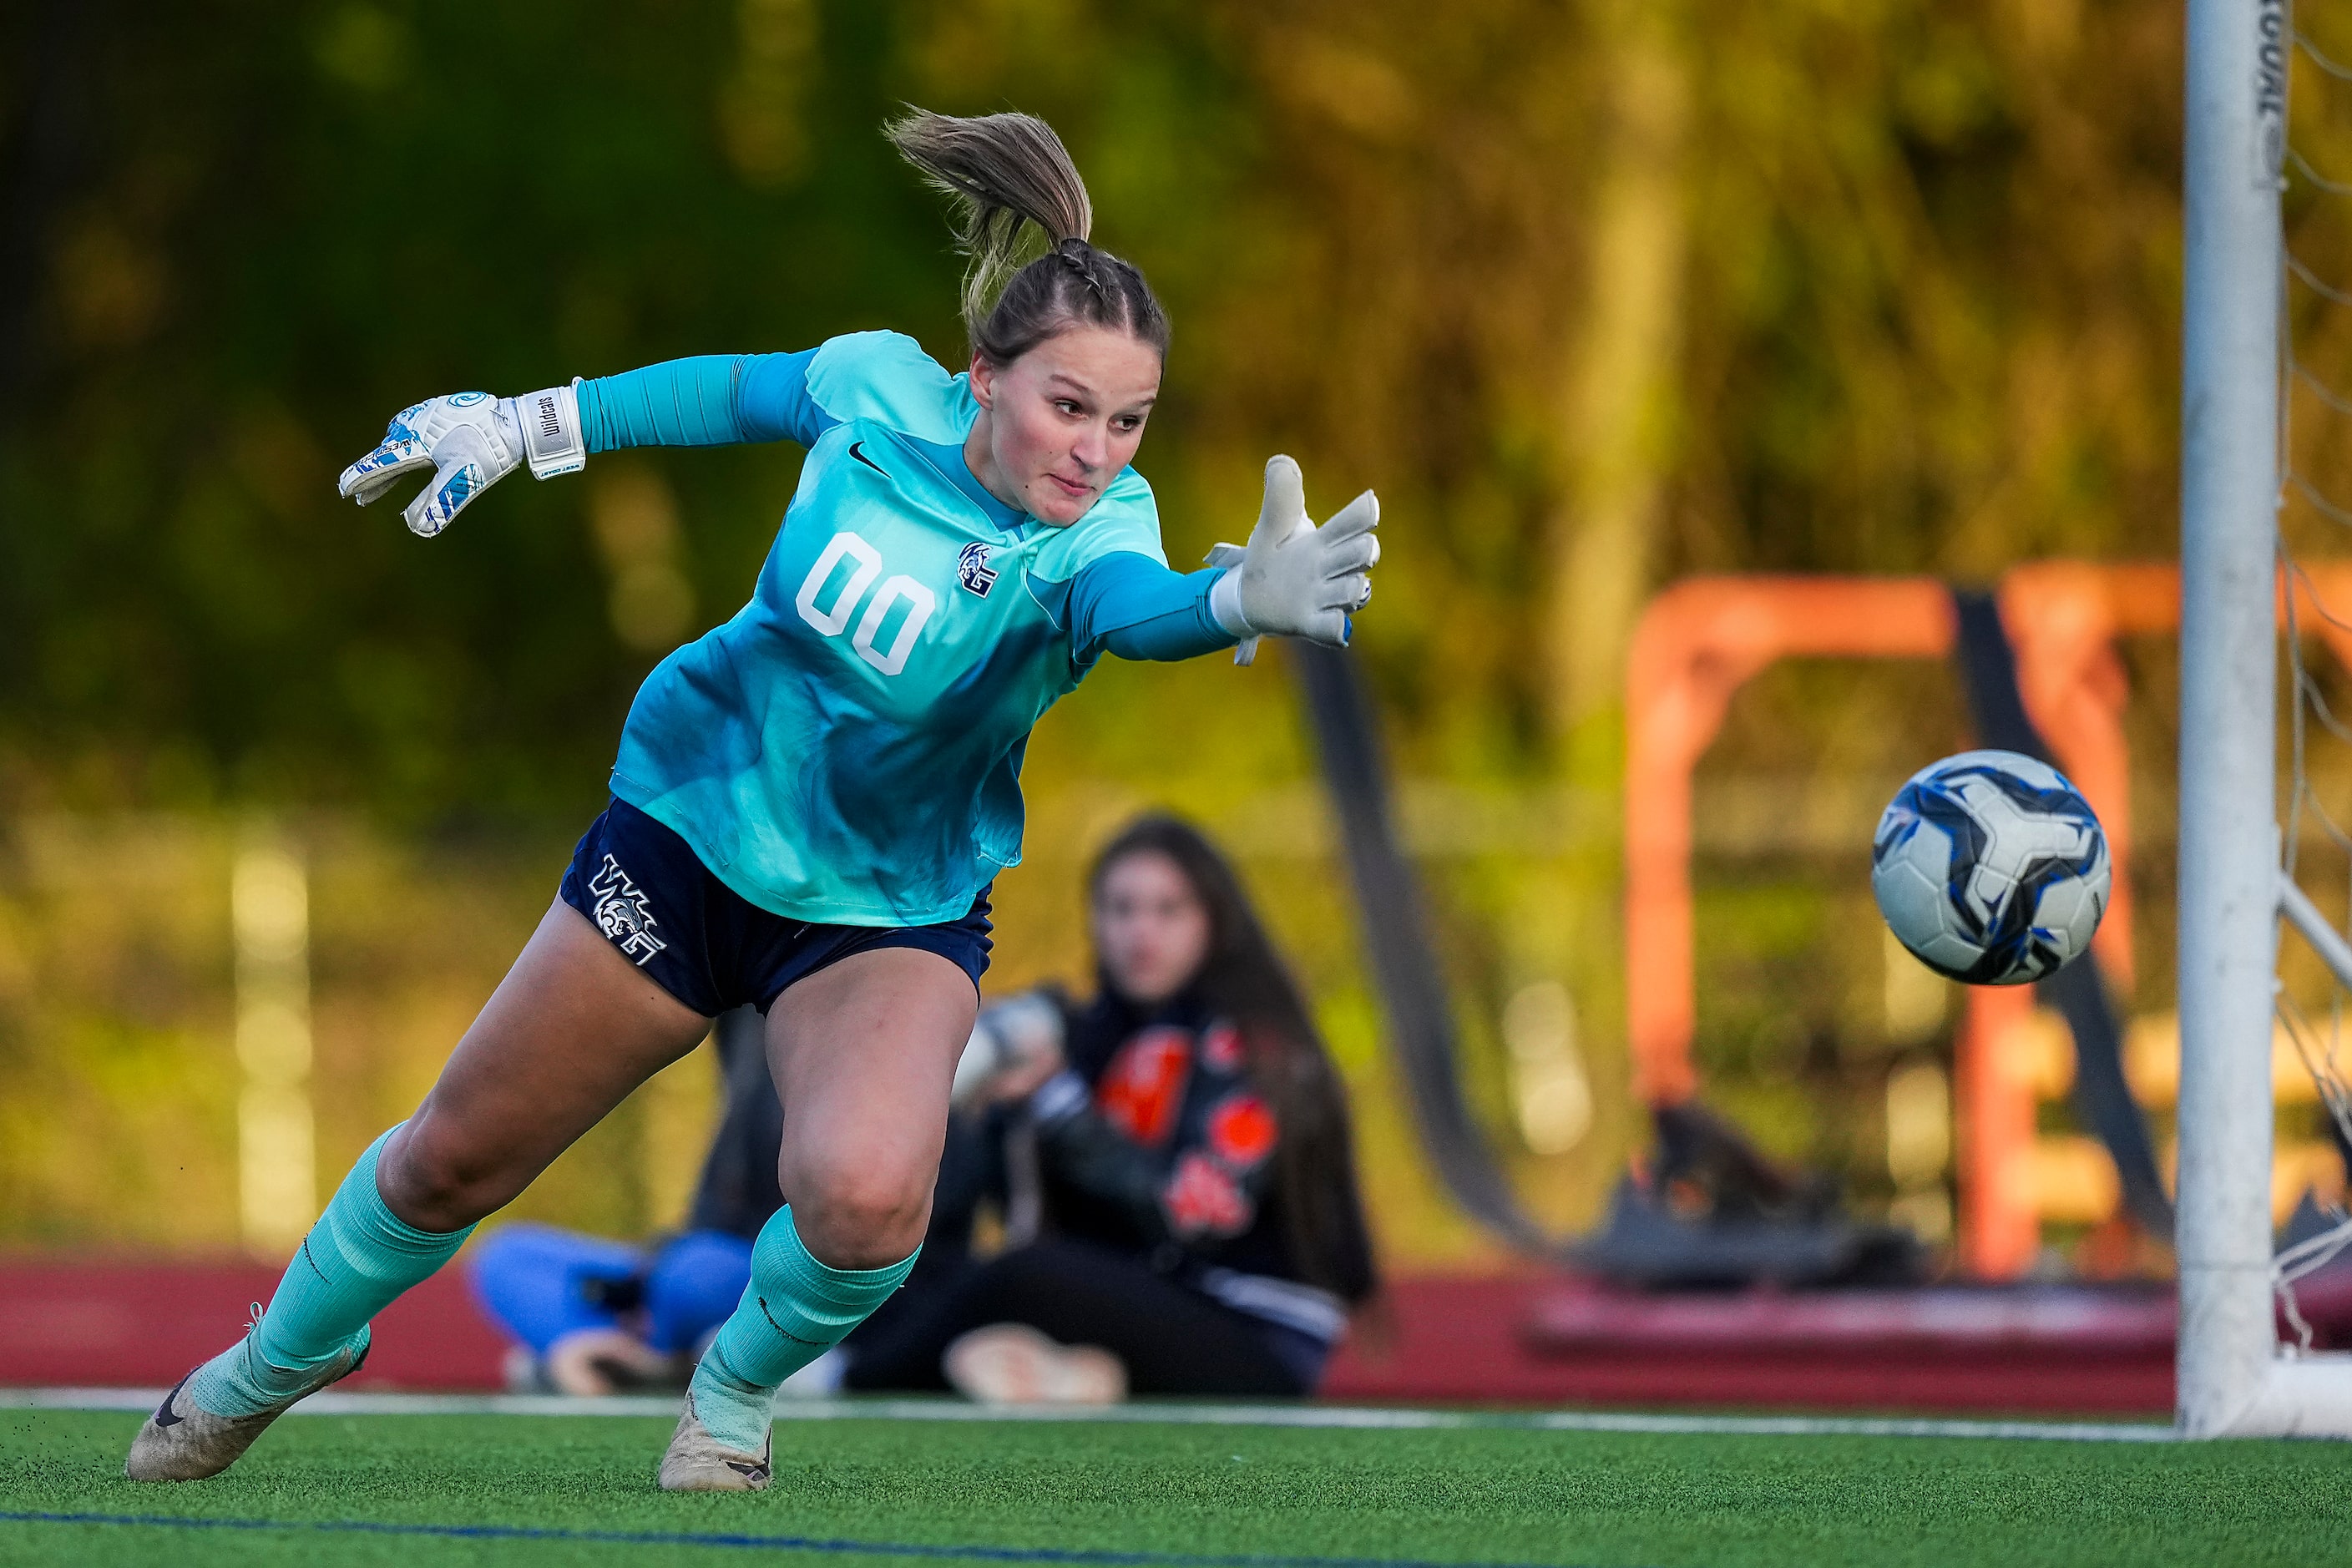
(1225,602)
(550,432)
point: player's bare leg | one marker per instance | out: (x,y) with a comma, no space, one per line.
(863,1054)
(571,1031)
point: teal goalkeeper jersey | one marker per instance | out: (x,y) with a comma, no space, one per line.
(846,749)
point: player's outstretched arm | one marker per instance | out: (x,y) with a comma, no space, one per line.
(469,442)
(1293,579)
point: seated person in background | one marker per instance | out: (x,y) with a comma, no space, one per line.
(1198,1229)
(591,1316)
(1172,1162)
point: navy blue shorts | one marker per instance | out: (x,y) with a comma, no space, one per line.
(644,888)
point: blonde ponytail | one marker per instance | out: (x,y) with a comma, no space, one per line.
(1003,171)
(1008,173)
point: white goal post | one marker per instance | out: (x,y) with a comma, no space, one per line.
(2235,1379)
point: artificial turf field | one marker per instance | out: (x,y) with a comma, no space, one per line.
(425,1490)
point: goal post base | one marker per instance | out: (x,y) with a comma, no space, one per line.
(2297,1395)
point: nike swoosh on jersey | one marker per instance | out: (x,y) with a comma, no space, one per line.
(857,450)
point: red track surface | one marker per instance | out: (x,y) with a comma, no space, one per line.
(1944,1349)
(1543,1340)
(1527,1340)
(88,1322)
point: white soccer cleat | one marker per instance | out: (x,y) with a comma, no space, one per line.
(184,1441)
(1012,1364)
(698,1462)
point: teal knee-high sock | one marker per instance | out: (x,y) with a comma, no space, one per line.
(356,1259)
(793,1310)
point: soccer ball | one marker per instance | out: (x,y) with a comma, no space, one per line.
(1991,868)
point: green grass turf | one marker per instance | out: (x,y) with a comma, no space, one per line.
(1462,1495)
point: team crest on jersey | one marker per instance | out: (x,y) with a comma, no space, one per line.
(622,913)
(973,571)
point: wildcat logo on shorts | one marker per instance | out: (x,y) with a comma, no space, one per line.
(973,571)
(622,914)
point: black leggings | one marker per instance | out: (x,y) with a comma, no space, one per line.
(1173,1339)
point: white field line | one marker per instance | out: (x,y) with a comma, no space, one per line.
(1146,1413)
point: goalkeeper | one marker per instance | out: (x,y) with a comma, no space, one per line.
(810,800)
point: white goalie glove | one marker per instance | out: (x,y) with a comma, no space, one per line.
(466,443)
(1294,579)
